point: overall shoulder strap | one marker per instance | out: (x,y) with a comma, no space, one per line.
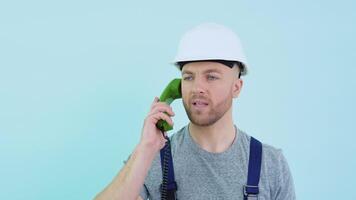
(169,185)
(254,169)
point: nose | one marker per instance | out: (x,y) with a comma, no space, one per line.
(199,86)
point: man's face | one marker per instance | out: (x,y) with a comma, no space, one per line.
(207,91)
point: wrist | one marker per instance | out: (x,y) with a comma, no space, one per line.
(147,149)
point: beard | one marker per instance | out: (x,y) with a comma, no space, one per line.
(209,115)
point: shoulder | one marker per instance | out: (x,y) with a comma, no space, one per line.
(273,158)
(178,137)
(178,140)
(275,170)
(270,153)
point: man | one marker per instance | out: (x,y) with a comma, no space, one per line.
(212,158)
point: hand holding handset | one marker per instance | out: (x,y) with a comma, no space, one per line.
(169,94)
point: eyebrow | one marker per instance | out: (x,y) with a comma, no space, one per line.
(204,72)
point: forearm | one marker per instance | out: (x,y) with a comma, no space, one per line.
(127,184)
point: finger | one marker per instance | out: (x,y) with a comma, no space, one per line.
(162,116)
(159,103)
(156,99)
(166,109)
(156,117)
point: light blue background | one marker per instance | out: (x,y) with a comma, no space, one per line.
(77,79)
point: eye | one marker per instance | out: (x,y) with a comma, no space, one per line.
(186,78)
(211,77)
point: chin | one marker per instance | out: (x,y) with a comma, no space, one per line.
(201,119)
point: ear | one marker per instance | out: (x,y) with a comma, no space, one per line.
(237,86)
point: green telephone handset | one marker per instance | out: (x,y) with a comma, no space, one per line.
(169,94)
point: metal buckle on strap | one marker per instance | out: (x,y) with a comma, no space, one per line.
(250,196)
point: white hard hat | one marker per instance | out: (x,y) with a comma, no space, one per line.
(210,41)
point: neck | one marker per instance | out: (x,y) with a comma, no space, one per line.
(217,137)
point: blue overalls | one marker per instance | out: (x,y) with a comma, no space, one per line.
(250,190)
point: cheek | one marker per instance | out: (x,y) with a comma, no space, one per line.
(222,92)
(185,92)
(220,95)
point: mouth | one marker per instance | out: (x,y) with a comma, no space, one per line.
(199,103)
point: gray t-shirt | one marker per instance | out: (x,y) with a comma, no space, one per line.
(203,175)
